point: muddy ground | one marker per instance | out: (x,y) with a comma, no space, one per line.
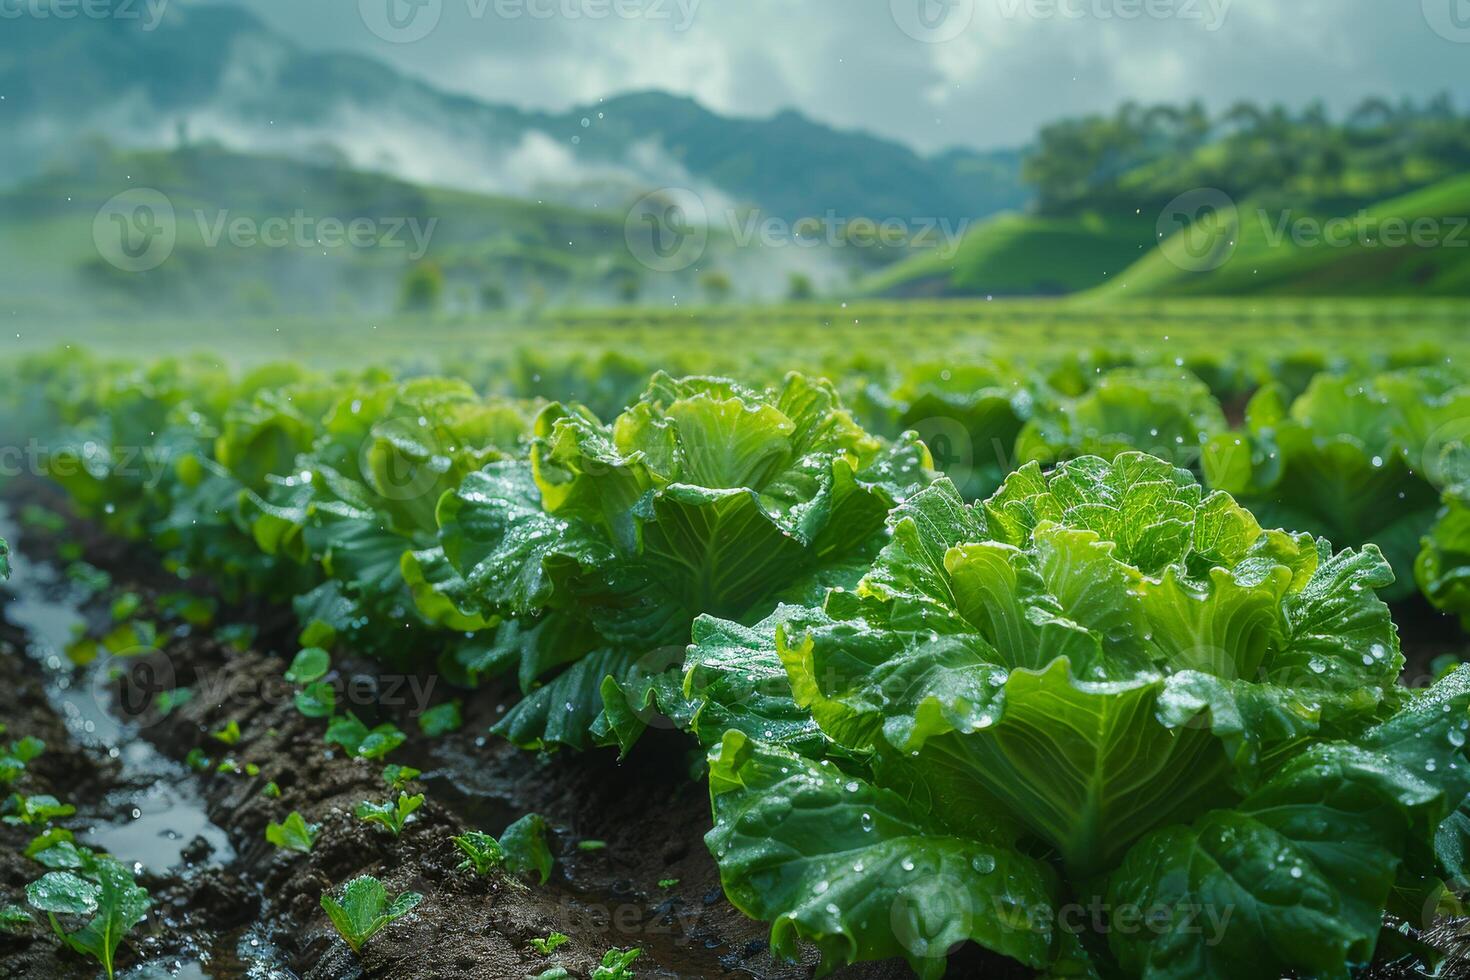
(258,913)
(231,905)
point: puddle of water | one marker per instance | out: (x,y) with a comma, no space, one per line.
(159,811)
(240,955)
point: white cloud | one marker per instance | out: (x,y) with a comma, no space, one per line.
(846,62)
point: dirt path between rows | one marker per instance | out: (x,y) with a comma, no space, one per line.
(653,884)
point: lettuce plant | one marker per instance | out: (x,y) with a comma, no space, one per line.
(1343,461)
(1168,413)
(365,909)
(1101,686)
(968,414)
(364,495)
(705,496)
(1443,566)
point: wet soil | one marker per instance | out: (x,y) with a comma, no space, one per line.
(228,904)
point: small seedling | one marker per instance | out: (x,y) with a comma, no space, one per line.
(390,816)
(197,760)
(292,834)
(89,577)
(13,759)
(667,883)
(318,633)
(309,665)
(616,964)
(549,945)
(48,839)
(165,702)
(231,766)
(350,733)
(13,918)
(192,609)
(113,901)
(229,735)
(131,639)
(271,790)
(397,777)
(126,606)
(237,636)
(40,519)
(591,845)
(483,853)
(318,700)
(364,910)
(526,847)
(32,810)
(57,850)
(441,719)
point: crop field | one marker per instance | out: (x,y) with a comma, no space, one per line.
(1003,639)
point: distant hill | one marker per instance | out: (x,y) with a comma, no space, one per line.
(1022,255)
(1268,262)
(250,234)
(219,73)
(259,235)
(1101,259)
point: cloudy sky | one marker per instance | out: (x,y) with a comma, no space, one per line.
(932,72)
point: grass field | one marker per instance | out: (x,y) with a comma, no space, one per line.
(795,335)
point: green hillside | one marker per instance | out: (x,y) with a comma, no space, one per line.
(1021,255)
(296,253)
(1268,262)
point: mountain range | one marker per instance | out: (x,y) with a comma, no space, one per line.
(219,74)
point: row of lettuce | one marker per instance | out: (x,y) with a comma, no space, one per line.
(1092,714)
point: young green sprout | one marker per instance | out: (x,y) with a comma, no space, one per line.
(32,810)
(390,816)
(229,735)
(14,758)
(292,834)
(398,777)
(616,964)
(13,918)
(550,944)
(483,853)
(108,901)
(365,909)
(349,732)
